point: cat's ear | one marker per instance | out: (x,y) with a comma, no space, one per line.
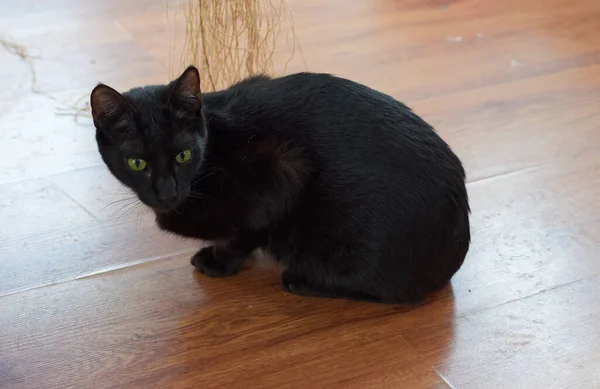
(107,105)
(185,91)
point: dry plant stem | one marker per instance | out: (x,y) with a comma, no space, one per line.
(22,52)
(231,39)
(205,57)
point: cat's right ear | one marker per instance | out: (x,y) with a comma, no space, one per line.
(185,91)
(108,105)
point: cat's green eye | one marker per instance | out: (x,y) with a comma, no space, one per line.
(136,164)
(184,156)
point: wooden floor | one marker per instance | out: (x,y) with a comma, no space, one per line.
(93,296)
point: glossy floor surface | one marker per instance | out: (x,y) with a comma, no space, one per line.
(93,296)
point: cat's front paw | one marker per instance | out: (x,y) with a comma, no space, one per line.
(207,263)
(291,283)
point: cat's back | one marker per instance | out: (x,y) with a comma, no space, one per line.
(324,96)
(324,109)
(342,124)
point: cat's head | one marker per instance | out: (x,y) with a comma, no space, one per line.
(153,138)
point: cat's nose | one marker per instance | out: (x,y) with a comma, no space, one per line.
(166,190)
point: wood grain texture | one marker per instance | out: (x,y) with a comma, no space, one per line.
(92,295)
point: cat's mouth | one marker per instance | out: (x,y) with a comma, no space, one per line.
(166,207)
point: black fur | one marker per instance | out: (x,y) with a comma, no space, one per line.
(349,189)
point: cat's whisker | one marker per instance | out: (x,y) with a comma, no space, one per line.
(198,196)
(142,209)
(208,171)
(123,197)
(203,177)
(124,193)
(106,171)
(124,209)
(119,214)
(130,210)
(118,202)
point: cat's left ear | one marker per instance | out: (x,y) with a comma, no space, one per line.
(185,93)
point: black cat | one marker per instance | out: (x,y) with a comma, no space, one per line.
(350,190)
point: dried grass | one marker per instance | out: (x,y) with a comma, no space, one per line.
(232,39)
(76,109)
(22,52)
